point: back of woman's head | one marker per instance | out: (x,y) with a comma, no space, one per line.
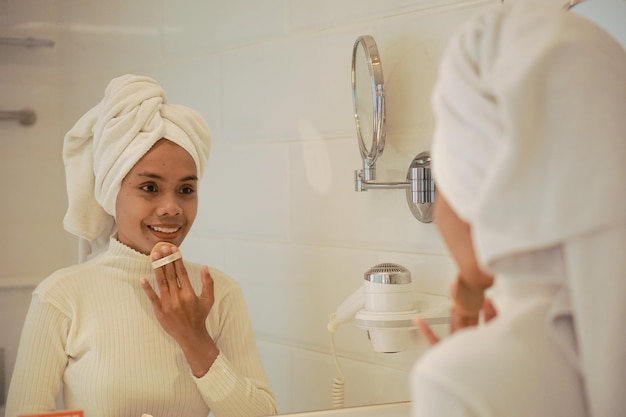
(530,137)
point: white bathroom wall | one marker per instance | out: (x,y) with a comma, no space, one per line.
(31,172)
(278,208)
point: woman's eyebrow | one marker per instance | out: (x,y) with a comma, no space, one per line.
(159,177)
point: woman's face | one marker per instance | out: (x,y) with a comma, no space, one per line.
(158,198)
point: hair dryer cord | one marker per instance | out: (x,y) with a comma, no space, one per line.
(338,381)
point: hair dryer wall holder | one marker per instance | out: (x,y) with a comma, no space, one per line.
(386,306)
(390,332)
(388,312)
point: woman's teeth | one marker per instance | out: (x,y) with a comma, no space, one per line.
(165,229)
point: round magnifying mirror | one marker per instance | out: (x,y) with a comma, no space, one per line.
(368,96)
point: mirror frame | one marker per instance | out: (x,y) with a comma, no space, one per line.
(377,88)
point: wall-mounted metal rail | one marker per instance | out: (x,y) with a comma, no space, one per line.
(28,42)
(26,116)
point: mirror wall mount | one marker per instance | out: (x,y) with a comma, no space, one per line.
(368,96)
(419,186)
(421,195)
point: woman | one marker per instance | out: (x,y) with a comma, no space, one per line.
(529,159)
(113,335)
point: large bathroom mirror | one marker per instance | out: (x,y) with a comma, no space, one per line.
(368,97)
(282,114)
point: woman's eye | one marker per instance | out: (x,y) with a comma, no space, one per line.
(187,190)
(149,187)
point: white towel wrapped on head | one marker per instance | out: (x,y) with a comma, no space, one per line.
(107,142)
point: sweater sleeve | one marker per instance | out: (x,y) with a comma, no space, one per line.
(236,384)
(40,361)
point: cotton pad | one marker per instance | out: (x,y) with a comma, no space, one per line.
(166,260)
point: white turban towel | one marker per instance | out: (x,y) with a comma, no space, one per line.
(109,140)
(530,150)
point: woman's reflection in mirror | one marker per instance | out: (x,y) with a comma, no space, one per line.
(133,328)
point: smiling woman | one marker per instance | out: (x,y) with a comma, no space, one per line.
(90,333)
(158,199)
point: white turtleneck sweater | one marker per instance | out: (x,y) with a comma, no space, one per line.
(92,333)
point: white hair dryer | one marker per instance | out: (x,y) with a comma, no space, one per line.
(384,306)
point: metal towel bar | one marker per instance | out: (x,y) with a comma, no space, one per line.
(28,42)
(25,116)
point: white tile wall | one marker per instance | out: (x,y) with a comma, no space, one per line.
(14,302)
(191,27)
(271,90)
(247,192)
(278,210)
(96,37)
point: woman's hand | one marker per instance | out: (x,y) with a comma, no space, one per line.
(181,312)
(469,304)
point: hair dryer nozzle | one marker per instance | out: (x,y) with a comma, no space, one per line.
(347,310)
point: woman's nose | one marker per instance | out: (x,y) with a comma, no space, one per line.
(169,206)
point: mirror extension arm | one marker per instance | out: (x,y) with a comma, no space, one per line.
(419,186)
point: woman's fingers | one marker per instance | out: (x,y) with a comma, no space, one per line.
(180,272)
(169,269)
(468,300)
(427,331)
(207,294)
(489,310)
(147,288)
(167,263)
(460,317)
